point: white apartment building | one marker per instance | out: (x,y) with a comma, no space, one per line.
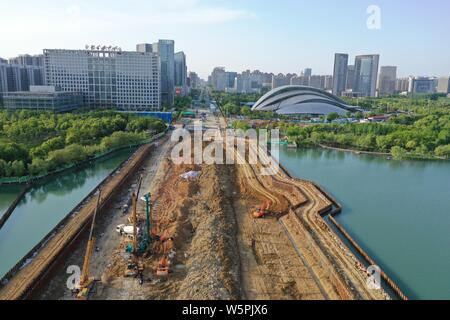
(107,77)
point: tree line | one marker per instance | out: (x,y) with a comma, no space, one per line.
(33,143)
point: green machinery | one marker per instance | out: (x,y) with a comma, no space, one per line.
(146,238)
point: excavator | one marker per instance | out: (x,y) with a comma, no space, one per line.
(87,282)
(163,266)
(263,210)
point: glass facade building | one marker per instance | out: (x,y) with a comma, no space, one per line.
(366,75)
(107,78)
(165,50)
(47,99)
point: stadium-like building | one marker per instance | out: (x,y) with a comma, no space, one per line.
(302,100)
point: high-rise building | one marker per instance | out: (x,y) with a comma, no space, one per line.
(350,77)
(328,82)
(219,79)
(444,85)
(165,50)
(301,80)
(144,47)
(402,85)
(340,73)
(249,81)
(23,71)
(194,80)
(317,82)
(28,60)
(3,77)
(231,76)
(387,79)
(307,72)
(180,72)
(106,77)
(422,85)
(366,74)
(281,80)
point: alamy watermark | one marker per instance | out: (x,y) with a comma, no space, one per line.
(227,147)
(73,281)
(374,280)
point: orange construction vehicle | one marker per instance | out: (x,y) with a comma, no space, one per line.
(263,210)
(164,263)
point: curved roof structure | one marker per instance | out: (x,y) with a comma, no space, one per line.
(301,100)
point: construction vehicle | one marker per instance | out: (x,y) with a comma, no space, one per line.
(86,282)
(263,210)
(144,244)
(163,266)
(135,267)
(126,230)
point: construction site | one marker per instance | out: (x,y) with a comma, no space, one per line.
(155,230)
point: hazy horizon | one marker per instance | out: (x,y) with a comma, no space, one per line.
(285,36)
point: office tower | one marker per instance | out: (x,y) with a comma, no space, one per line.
(366,74)
(444,85)
(350,77)
(180,73)
(165,50)
(3,77)
(387,79)
(231,76)
(422,85)
(194,80)
(108,78)
(219,79)
(144,47)
(307,72)
(340,73)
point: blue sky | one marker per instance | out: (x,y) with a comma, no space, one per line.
(276,36)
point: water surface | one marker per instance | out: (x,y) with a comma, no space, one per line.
(46,204)
(398,211)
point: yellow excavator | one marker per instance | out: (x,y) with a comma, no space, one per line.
(87,282)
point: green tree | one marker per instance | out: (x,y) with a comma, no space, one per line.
(443,151)
(332,116)
(246,111)
(18,168)
(398,152)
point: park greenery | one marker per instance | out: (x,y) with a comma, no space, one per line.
(35,143)
(418,127)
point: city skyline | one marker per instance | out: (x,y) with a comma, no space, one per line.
(207,32)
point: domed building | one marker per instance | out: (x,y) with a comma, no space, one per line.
(302,100)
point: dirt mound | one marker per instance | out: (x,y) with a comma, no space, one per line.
(212,265)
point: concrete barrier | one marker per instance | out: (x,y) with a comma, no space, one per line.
(14,204)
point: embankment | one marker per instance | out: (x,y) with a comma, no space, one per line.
(14,204)
(27,274)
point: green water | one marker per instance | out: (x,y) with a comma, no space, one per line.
(45,205)
(398,211)
(7,196)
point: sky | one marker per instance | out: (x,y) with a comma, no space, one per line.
(272,36)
